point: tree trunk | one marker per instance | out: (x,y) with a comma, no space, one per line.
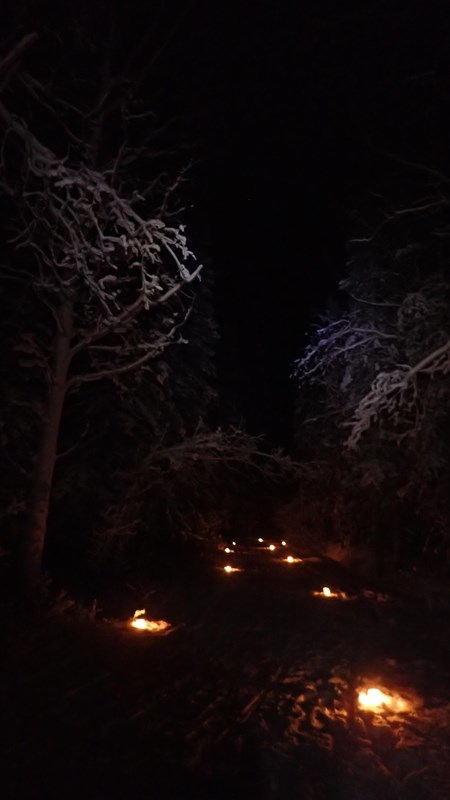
(31,560)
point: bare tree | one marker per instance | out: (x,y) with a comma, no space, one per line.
(113,278)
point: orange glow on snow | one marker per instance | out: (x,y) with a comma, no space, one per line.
(376,700)
(140,622)
(327,592)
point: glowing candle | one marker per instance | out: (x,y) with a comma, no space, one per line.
(374,698)
(140,623)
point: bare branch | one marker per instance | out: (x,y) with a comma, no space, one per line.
(74,446)
(414,165)
(372,302)
(32,86)
(433,362)
(16,54)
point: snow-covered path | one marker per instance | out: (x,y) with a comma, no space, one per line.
(253,694)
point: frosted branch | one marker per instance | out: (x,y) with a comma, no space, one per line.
(395,393)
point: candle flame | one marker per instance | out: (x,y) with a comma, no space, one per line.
(271,547)
(376,700)
(283,543)
(327,592)
(292,560)
(140,622)
(229,569)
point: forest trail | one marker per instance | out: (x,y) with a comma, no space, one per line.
(251,695)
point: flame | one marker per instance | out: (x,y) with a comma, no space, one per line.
(283,543)
(271,547)
(229,569)
(375,700)
(228,550)
(292,560)
(327,592)
(142,624)
(234,544)
(260,540)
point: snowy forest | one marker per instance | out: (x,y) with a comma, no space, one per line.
(373,387)
(106,305)
(224,402)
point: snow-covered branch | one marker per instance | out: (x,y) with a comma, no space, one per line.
(395,393)
(333,343)
(102,251)
(373,364)
(232,447)
(96,239)
(152,349)
(195,476)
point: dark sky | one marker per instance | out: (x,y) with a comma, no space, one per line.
(292,103)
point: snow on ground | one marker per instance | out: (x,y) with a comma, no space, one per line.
(252,695)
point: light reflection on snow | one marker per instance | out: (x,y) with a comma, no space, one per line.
(377,700)
(141,623)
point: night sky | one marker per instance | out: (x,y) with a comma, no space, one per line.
(293,106)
